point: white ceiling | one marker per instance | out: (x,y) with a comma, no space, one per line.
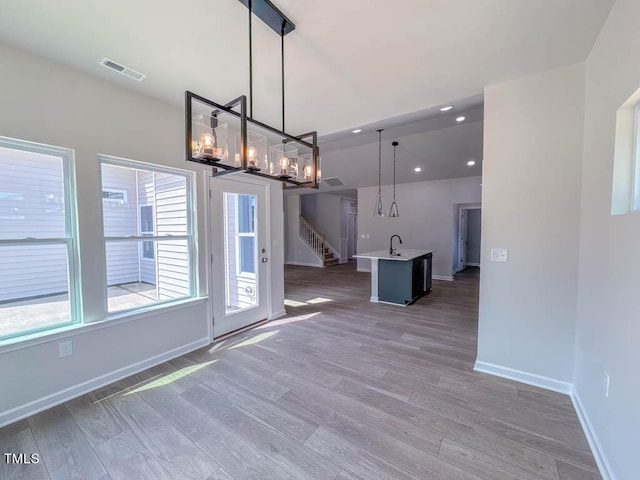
(441,153)
(348,63)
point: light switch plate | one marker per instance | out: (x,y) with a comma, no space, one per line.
(498,254)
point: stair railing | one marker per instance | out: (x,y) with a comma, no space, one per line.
(313,238)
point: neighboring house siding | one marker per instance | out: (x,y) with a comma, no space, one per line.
(146,192)
(31,205)
(121,220)
(172,256)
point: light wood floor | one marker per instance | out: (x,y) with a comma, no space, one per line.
(339,389)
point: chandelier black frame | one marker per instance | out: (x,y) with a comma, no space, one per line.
(241,111)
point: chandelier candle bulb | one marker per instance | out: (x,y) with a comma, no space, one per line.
(285,156)
(252,155)
(209,138)
(308,169)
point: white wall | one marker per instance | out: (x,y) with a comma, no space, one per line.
(608,325)
(428,213)
(531,206)
(48,103)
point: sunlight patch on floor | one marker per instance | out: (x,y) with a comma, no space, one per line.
(171,377)
(293,303)
(315,301)
(253,340)
(284,321)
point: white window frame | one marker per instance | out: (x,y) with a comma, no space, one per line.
(190,236)
(69,240)
(239,272)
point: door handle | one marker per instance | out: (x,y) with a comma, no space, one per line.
(265,260)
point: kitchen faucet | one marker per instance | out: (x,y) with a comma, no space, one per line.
(391,243)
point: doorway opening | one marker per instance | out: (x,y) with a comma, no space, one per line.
(468,237)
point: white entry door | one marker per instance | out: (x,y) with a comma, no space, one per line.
(239,254)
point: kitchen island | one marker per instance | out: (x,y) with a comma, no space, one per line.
(399,278)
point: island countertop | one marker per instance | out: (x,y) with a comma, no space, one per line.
(403,255)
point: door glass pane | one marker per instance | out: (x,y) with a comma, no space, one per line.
(240,252)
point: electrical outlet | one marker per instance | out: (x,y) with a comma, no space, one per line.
(607,383)
(499,255)
(66,348)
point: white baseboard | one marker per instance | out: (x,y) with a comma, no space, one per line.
(304,264)
(472,264)
(442,277)
(598,453)
(362,269)
(67,394)
(524,377)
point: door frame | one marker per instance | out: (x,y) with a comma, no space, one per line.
(209,249)
(462,221)
(354,238)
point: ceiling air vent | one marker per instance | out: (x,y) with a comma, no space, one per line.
(334,182)
(123,70)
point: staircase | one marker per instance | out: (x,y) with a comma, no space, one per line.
(318,243)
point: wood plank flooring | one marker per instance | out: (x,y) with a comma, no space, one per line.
(338,389)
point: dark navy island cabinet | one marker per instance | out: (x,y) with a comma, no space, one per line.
(403,282)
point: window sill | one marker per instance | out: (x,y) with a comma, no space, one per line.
(55,334)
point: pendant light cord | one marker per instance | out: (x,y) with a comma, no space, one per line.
(250,60)
(379,162)
(282,53)
(394,172)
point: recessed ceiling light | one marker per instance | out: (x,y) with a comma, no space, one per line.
(471,163)
(357,130)
(461,119)
(417,169)
(447,108)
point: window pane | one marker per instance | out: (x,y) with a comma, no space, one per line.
(31,195)
(134,281)
(146,219)
(34,287)
(247,254)
(148,251)
(246,213)
(144,189)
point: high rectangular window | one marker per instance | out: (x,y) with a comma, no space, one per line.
(38,268)
(149,238)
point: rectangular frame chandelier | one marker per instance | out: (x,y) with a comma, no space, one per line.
(229,141)
(228,138)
